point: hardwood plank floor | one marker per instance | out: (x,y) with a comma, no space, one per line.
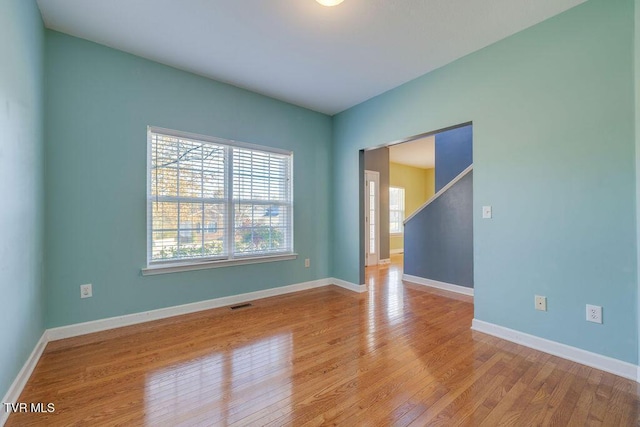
(397,355)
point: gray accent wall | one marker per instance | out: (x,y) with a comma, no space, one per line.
(378,160)
(438,241)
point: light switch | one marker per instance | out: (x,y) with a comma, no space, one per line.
(486,212)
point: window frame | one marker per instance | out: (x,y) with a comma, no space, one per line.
(403,211)
(198,263)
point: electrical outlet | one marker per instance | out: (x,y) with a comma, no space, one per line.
(307,263)
(541,303)
(594,313)
(86,291)
(487,212)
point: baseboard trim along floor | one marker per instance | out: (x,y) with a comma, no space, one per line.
(436,284)
(594,360)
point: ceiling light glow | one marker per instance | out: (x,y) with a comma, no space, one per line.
(329,2)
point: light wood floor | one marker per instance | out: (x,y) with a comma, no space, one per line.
(397,355)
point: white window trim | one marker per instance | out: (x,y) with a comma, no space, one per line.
(174,266)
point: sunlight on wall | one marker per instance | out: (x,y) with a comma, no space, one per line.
(419,186)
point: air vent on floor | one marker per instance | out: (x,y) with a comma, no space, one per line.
(235,307)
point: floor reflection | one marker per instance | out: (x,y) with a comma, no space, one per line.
(385,297)
(372,297)
(385,284)
(395,295)
(200,390)
(179,390)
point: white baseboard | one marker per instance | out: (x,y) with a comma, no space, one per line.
(23,376)
(163,313)
(435,284)
(384,261)
(396,251)
(598,361)
(348,285)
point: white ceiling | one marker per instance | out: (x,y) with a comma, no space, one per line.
(420,153)
(323,58)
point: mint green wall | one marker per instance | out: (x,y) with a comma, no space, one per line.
(99,102)
(553,113)
(553,118)
(21,185)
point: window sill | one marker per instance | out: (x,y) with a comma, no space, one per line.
(396,234)
(189,266)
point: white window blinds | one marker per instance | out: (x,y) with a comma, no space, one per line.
(213,199)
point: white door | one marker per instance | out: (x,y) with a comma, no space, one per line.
(371,217)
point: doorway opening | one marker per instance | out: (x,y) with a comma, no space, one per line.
(423,207)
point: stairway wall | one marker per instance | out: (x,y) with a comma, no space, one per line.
(438,240)
(454,153)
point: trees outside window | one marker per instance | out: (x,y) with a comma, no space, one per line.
(212,199)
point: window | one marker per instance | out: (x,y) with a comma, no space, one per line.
(396,209)
(211,199)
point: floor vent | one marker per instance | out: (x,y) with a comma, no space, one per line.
(235,307)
